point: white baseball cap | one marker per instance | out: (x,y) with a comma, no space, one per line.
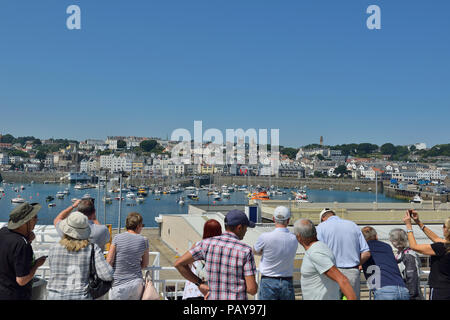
(281,213)
(323,212)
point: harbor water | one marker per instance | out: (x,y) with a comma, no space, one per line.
(151,207)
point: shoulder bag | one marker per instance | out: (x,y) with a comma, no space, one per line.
(149,292)
(96,287)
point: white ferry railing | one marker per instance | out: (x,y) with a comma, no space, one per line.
(161,285)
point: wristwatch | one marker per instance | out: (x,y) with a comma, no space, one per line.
(198,283)
(407,231)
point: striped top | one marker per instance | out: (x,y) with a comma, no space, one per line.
(129,251)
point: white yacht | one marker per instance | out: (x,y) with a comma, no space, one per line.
(18,200)
(60,195)
(131,195)
(416,199)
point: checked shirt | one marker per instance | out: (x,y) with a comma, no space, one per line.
(227,262)
(69,272)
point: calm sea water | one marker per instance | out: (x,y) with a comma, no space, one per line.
(151,207)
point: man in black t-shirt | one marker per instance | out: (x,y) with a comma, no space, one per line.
(17,264)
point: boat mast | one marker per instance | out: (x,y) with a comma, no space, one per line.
(104,197)
(120,201)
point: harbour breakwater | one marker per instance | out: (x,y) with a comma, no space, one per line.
(403,194)
(27,177)
(58,177)
(311,183)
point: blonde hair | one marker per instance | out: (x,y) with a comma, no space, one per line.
(72,244)
(369,233)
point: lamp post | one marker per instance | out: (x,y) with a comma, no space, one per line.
(376,186)
(120,201)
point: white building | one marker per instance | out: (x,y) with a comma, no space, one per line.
(48,162)
(4,159)
(89,165)
(405,176)
(15,159)
(420,146)
(116,164)
(431,175)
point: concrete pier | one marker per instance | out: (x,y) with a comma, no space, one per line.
(360,213)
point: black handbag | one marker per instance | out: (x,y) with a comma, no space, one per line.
(97,287)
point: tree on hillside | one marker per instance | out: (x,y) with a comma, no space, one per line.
(290,152)
(7,138)
(148,145)
(387,148)
(41,155)
(121,144)
(342,169)
(366,148)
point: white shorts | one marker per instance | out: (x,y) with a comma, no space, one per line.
(131,290)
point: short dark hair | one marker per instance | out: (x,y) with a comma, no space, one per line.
(87,207)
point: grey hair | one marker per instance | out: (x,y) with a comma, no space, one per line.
(305,228)
(285,222)
(398,238)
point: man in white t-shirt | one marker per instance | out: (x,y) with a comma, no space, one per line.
(278,249)
(320,279)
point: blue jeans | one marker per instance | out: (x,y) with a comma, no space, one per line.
(276,289)
(391,293)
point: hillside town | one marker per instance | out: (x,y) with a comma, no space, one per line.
(151,157)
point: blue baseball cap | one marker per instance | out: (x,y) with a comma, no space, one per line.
(236,217)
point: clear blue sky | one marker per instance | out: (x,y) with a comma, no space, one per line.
(308,68)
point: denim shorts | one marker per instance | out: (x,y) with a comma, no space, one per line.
(391,293)
(276,289)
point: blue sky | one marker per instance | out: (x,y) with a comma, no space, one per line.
(307,68)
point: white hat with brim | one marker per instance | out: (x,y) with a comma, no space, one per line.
(282,213)
(76,226)
(326,210)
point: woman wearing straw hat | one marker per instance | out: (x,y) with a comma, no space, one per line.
(17,264)
(69,261)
